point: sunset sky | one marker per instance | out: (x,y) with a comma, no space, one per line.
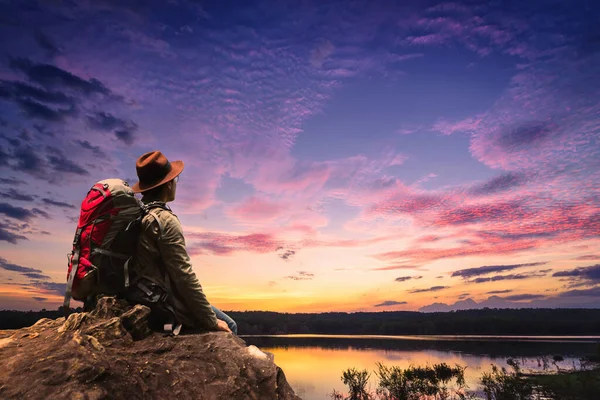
(339,155)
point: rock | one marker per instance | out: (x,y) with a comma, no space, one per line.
(109,307)
(111,353)
(136,321)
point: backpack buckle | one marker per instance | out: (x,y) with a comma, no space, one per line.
(172,329)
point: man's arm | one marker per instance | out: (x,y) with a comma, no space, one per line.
(171,244)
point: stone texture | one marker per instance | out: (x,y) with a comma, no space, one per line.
(110,353)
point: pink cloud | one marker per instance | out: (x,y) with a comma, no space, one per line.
(227,244)
(397,266)
(430,39)
(425,255)
(258,209)
(467,125)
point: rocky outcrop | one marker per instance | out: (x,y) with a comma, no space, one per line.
(110,353)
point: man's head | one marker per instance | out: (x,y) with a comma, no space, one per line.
(157,176)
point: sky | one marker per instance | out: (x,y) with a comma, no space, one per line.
(339,155)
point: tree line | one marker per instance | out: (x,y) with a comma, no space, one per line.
(527,321)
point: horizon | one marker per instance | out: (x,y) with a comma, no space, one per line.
(356,157)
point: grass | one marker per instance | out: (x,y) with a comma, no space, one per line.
(575,385)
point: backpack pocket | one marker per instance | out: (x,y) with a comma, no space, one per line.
(148,293)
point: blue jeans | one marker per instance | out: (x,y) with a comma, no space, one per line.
(222,316)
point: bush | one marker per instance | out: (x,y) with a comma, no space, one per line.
(357,383)
(412,383)
(501,384)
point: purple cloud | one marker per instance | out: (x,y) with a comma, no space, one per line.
(591,273)
(389,303)
(509,277)
(407,278)
(520,297)
(301,276)
(499,291)
(53,77)
(501,183)
(431,289)
(488,269)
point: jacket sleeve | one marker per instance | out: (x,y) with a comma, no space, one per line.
(171,244)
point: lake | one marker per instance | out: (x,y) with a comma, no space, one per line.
(313,364)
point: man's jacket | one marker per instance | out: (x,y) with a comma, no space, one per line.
(163,258)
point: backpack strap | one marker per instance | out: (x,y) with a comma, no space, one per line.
(74,265)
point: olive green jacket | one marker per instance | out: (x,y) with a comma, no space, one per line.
(162,257)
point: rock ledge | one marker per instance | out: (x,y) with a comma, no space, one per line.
(110,353)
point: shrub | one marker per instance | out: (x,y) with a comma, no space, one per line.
(501,384)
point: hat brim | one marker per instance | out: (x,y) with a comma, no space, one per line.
(176,169)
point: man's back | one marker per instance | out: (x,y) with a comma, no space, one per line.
(163,258)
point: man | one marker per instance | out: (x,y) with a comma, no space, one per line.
(161,249)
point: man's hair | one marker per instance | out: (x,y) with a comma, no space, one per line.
(154,193)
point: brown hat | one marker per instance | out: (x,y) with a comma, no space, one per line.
(153,169)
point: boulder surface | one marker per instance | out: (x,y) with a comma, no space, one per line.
(110,353)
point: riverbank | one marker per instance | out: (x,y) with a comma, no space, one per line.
(570,385)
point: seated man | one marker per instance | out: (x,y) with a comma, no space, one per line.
(161,253)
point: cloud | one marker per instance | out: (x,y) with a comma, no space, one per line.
(123,130)
(96,150)
(408,203)
(520,297)
(32,273)
(55,203)
(19,213)
(320,53)
(448,128)
(20,90)
(509,277)
(501,183)
(54,287)
(28,161)
(285,254)
(126,136)
(591,273)
(591,292)
(227,244)
(589,257)
(499,291)
(395,267)
(16,195)
(481,213)
(406,278)
(39,298)
(431,289)
(528,134)
(10,237)
(389,303)
(301,276)
(46,43)
(35,275)
(41,213)
(488,269)
(51,76)
(431,254)
(61,163)
(258,209)
(38,110)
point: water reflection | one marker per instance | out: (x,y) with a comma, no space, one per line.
(313,364)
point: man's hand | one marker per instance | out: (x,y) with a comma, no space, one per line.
(222,326)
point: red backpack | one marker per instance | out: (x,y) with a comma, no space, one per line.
(105,241)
